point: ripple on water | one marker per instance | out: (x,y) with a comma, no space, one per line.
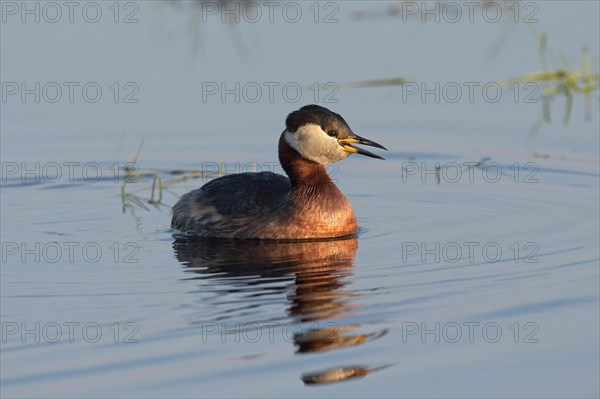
(541,229)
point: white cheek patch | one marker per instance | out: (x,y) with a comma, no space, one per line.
(316,145)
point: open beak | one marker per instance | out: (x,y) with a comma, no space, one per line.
(348,147)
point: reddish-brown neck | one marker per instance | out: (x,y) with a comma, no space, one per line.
(316,206)
(301,171)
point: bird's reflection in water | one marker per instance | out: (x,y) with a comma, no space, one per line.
(314,274)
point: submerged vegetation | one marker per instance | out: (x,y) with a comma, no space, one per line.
(553,83)
(562,81)
(558,80)
(154,183)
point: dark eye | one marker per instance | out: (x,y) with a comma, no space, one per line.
(332,133)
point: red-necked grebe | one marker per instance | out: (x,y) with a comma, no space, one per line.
(267,205)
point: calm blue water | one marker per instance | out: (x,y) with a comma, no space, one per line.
(478,280)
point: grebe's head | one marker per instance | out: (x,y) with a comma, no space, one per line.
(323,136)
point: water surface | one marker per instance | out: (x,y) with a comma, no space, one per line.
(462,281)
